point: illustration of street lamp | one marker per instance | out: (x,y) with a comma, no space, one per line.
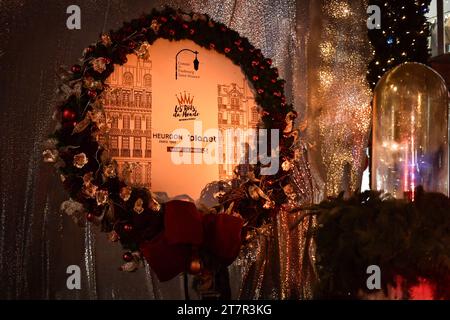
(196,62)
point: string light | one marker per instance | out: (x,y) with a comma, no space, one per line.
(403,36)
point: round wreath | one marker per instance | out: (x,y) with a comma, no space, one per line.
(132,214)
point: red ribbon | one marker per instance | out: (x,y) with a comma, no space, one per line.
(170,252)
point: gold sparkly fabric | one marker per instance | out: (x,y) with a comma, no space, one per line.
(295,243)
(339,97)
(281,265)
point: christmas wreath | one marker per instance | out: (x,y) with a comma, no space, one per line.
(175,236)
(408,241)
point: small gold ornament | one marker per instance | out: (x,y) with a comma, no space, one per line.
(102,197)
(125,193)
(91,83)
(138,206)
(253,192)
(289,120)
(80,160)
(289,191)
(143,52)
(82,125)
(88,177)
(287,165)
(154,205)
(269,205)
(155,25)
(106,39)
(89,190)
(113,236)
(99,64)
(109,171)
(50,156)
(219,194)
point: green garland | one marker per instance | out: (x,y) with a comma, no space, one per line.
(410,239)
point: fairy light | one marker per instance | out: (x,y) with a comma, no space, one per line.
(407,24)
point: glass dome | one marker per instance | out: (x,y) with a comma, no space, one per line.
(410,132)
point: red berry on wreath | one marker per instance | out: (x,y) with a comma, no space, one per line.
(131,44)
(128,227)
(172,32)
(273,81)
(269,61)
(260,91)
(127,256)
(75,68)
(90,217)
(68,114)
(163,19)
(212,45)
(92,94)
(191,31)
(241,49)
(255,78)
(227,50)
(185,26)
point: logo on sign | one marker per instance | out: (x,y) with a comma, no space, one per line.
(185,109)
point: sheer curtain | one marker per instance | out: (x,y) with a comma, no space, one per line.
(38,243)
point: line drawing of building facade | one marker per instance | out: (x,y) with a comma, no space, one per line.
(237,109)
(128,107)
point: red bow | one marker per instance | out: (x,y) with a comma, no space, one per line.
(170,252)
